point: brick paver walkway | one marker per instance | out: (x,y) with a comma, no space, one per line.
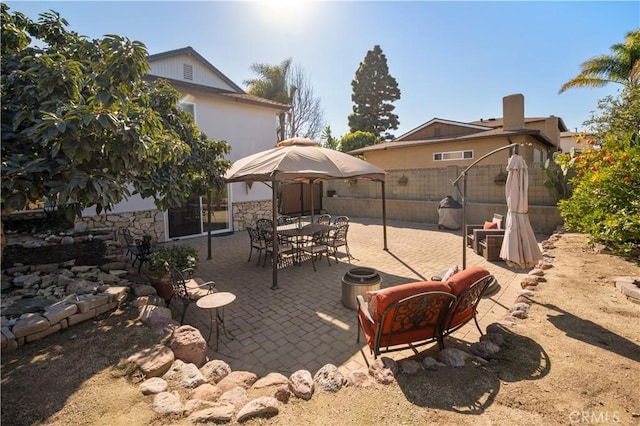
(303,324)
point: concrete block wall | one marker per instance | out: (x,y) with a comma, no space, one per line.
(414,195)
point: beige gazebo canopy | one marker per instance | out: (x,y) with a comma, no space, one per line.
(302,160)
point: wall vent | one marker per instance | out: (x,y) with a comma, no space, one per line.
(187,70)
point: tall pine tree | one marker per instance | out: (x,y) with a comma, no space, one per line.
(374,90)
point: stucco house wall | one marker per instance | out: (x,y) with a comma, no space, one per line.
(223,111)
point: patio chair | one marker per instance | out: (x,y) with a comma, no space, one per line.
(264,224)
(186,288)
(285,249)
(136,248)
(476,236)
(409,318)
(317,247)
(467,300)
(130,242)
(286,220)
(256,243)
(340,220)
(324,219)
(337,239)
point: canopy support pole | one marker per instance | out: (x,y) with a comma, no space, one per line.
(384,217)
(463,176)
(274,234)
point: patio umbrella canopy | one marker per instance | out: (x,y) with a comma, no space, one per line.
(302,160)
(519,247)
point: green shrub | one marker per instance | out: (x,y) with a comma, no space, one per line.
(606,199)
(178,255)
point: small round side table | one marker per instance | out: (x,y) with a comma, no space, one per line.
(213,302)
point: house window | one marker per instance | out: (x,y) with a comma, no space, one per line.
(187,71)
(452,155)
(189,107)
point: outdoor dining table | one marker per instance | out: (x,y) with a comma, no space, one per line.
(300,235)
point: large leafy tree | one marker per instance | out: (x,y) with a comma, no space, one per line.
(374,90)
(606,197)
(357,140)
(82,128)
(621,66)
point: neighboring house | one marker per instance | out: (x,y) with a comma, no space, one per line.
(441,143)
(569,140)
(223,111)
(423,163)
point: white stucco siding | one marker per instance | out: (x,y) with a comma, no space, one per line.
(174,68)
(246,128)
(133,204)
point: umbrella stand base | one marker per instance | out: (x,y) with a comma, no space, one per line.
(492,288)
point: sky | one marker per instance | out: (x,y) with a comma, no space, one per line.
(452,60)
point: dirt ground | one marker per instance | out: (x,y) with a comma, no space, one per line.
(575,360)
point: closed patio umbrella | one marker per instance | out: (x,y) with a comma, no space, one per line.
(519,247)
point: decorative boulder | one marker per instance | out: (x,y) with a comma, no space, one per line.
(188,345)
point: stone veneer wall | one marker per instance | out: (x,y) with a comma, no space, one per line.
(150,222)
(247,213)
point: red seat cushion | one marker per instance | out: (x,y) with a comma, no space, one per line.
(464,279)
(490,225)
(383,299)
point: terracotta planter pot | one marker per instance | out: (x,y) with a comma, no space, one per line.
(162,284)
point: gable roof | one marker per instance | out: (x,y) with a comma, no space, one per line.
(191,51)
(230,96)
(442,121)
(499,122)
(238,95)
(493,133)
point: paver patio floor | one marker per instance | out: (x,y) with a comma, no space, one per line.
(303,324)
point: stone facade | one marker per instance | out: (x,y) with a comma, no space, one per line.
(247,214)
(149,222)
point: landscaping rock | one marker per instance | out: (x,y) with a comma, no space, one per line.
(207,392)
(222,413)
(168,403)
(301,384)
(259,407)
(215,370)
(383,371)
(153,385)
(194,405)
(456,358)
(190,376)
(237,397)
(484,349)
(409,366)
(271,379)
(520,307)
(188,345)
(244,379)
(359,379)
(430,363)
(154,361)
(329,378)
(496,338)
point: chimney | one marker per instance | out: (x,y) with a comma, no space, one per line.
(513,112)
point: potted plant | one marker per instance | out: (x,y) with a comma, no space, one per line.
(178,255)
